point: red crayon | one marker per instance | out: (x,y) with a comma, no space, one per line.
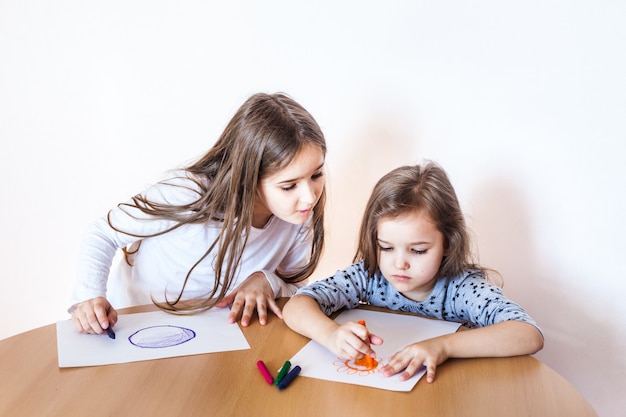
(266,373)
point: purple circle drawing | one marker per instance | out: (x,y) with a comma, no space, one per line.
(161,336)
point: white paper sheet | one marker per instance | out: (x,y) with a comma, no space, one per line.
(397,331)
(153,335)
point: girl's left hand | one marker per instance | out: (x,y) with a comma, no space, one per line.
(254,293)
(429,353)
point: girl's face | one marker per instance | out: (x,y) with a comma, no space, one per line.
(291,193)
(410,251)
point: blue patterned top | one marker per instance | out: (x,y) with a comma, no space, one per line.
(468,298)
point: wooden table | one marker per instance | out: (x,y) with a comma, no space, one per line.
(229,384)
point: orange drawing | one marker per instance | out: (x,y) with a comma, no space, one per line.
(360,367)
(367,362)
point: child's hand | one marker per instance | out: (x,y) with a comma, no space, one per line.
(352,341)
(254,293)
(94,315)
(430,353)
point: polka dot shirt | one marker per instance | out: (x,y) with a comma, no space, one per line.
(468,298)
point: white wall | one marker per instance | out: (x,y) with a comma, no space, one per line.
(522,102)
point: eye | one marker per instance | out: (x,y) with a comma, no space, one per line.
(317,175)
(288,187)
(419,251)
(384,248)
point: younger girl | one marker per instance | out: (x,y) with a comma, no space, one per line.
(242,225)
(414,254)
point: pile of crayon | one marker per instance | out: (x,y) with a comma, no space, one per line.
(284,377)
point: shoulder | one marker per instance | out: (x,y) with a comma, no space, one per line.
(183,178)
(177,187)
(469,280)
(352,273)
(351,276)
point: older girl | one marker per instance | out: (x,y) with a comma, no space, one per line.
(242,225)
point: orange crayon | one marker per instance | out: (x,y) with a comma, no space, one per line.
(369,361)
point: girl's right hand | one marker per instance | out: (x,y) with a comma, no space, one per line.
(352,341)
(94,315)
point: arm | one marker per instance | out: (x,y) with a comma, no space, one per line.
(91,311)
(509,338)
(504,329)
(350,340)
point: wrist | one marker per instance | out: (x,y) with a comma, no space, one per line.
(326,335)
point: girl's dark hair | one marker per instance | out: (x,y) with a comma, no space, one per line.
(266,133)
(417,188)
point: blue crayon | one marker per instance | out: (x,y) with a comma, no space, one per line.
(110,332)
(289,377)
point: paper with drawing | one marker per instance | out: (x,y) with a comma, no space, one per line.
(153,335)
(397,331)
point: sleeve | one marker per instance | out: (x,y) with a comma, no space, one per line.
(95,256)
(345,289)
(483,304)
(280,287)
(101,241)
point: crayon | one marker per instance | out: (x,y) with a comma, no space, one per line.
(283,371)
(110,332)
(289,377)
(266,373)
(370,361)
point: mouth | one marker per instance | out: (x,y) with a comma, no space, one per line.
(402,278)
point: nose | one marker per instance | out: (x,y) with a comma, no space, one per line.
(308,193)
(400,262)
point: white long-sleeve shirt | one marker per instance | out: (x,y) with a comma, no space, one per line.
(162,262)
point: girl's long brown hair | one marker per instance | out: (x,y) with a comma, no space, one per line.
(266,133)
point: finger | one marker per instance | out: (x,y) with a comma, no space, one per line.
(361,331)
(358,347)
(349,352)
(410,370)
(430,373)
(226,301)
(376,340)
(393,366)
(248,310)
(77,324)
(365,347)
(90,322)
(102,316)
(112,317)
(82,322)
(261,310)
(275,308)
(235,310)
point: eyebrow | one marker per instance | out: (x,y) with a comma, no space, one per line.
(424,242)
(296,179)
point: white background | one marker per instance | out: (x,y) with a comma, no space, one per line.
(523,103)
